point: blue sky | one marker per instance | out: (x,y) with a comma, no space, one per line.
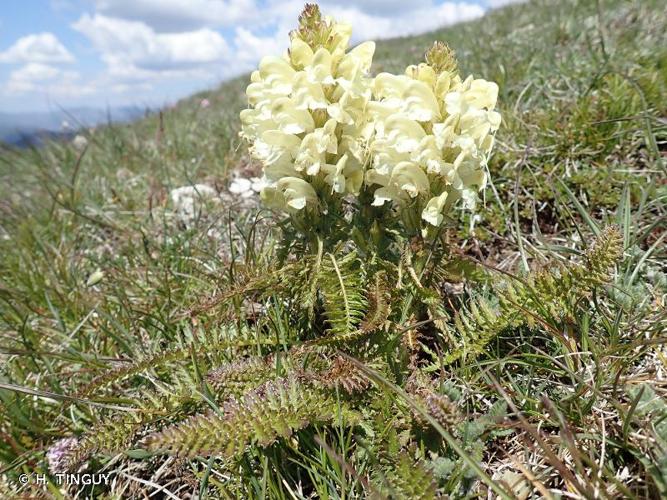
(99,53)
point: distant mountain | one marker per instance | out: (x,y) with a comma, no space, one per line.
(23,129)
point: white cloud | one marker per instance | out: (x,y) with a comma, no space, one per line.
(38,77)
(380,18)
(35,72)
(375,19)
(426,18)
(180,15)
(132,47)
(385,7)
(125,88)
(155,49)
(135,51)
(494,4)
(37,48)
(250,48)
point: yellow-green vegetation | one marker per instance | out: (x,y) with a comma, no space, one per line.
(161,327)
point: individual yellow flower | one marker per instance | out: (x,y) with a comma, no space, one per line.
(289,118)
(355,65)
(314,148)
(433,213)
(290,194)
(336,175)
(405,181)
(277,150)
(308,95)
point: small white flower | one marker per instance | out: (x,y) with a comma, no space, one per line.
(79,142)
(95,277)
(433,211)
(290,194)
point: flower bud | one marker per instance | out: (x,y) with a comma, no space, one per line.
(441,58)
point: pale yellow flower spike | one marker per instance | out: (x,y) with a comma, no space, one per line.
(439,125)
(307,122)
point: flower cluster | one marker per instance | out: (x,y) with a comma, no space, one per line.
(323,129)
(307,122)
(60,455)
(433,133)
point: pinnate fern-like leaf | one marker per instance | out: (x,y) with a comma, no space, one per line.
(379,305)
(406,478)
(341,286)
(166,358)
(548,293)
(238,376)
(344,375)
(275,409)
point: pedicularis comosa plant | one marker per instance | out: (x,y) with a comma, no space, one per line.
(354,319)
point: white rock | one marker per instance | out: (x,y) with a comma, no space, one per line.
(243,187)
(259,183)
(240,185)
(194,191)
(187,200)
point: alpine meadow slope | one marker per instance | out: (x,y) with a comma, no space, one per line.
(159,324)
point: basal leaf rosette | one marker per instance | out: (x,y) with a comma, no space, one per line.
(307,122)
(433,134)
